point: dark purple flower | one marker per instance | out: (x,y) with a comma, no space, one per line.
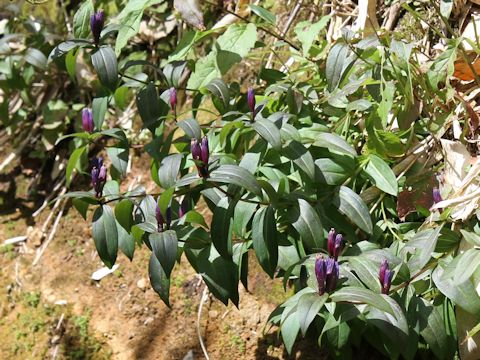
(195,149)
(332,274)
(331,241)
(99,176)
(385,276)
(87,120)
(173,98)
(184,207)
(251,99)
(204,151)
(96,25)
(168,217)
(436,195)
(320,274)
(327,274)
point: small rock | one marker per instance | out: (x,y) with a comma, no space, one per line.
(213,314)
(61,302)
(101,273)
(148,320)
(189,355)
(142,284)
(55,340)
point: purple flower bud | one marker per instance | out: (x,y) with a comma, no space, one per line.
(204,151)
(385,276)
(320,274)
(96,25)
(99,176)
(332,273)
(184,207)
(436,195)
(331,241)
(87,120)
(173,98)
(195,149)
(251,100)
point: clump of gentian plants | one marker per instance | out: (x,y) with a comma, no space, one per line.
(278,165)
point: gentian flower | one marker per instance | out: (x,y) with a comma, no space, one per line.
(327,274)
(334,243)
(87,120)
(201,154)
(173,98)
(96,25)
(99,176)
(251,101)
(436,195)
(184,207)
(385,276)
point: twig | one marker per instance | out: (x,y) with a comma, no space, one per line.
(49,197)
(50,237)
(199,332)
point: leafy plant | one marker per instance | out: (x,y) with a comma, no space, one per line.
(325,171)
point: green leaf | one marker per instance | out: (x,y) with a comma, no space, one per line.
(443,66)
(236,175)
(126,242)
(222,224)
(269,131)
(219,88)
(367,271)
(242,216)
(334,171)
(263,13)
(190,12)
(352,206)
(105,235)
(301,157)
(36,58)
(64,47)
(423,243)
(308,307)
(229,49)
(73,163)
(191,128)
(289,331)
(148,104)
(123,213)
(446,7)
(380,174)
(81,206)
(336,61)
(119,158)
(169,169)
(467,264)
(105,63)
(71,62)
(308,225)
(464,295)
(334,143)
(164,246)
(81,20)
(264,237)
(307,32)
(99,109)
(160,282)
(357,295)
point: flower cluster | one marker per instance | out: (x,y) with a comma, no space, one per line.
(99,176)
(385,276)
(96,25)
(334,243)
(327,269)
(201,154)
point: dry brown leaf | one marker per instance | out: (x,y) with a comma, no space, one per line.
(463,71)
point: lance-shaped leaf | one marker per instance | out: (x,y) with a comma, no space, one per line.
(168,170)
(307,223)
(105,63)
(352,206)
(81,20)
(160,282)
(105,235)
(264,236)
(236,175)
(164,246)
(380,174)
(269,131)
(308,307)
(222,225)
